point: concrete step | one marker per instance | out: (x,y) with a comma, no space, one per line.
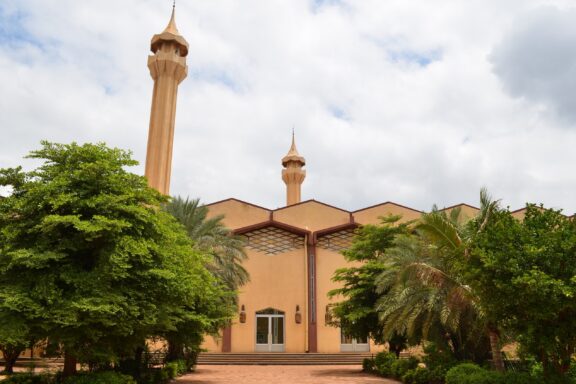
(282,358)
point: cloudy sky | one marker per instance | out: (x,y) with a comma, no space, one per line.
(412,101)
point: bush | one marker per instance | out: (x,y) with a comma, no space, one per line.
(29,378)
(383,362)
(519,378)
(108,377)
(424,376)
(368,365)
(416,376)
(401,366)
(461,374)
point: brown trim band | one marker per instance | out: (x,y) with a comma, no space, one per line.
(227,339)
(275,224)
(312,303)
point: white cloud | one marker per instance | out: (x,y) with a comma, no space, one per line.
(393,100)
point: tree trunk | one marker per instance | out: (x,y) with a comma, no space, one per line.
(10,357)
(69,364)
(396,348)
(175,350)
(497,360)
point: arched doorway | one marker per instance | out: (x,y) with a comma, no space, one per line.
(270,330)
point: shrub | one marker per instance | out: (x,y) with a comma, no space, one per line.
(519,378)
(29,378)
(383,362)
(368,365)
(108,377)
(171,370)
(401,366)
(460,374)
(416,376)
(424,376)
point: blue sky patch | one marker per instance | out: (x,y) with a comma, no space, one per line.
(317,4)
(12,31)
(215,76)
(338,112)
(421,59)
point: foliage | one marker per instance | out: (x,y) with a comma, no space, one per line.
(226,253)
(399,367)
(425,289)
(108,377)
(524,272)
(356,314)
(210,236)
(422,375)
(89,260)
(368,364)
(29,378)
(425,296)
(460,373)
(468,373)
(383,362)
(15,337)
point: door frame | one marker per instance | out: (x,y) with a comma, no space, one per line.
(354,346)
(270,347)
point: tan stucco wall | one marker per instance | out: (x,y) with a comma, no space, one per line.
(279,282)
(238,214)
(372,215)
(327,262)
(312,216)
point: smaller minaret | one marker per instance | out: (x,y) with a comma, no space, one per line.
(293,175)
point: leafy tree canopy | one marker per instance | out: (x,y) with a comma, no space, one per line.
(356,314)
(87,258)
(525,273)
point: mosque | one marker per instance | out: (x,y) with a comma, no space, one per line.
(292,251)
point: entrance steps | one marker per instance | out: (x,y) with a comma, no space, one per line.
(258,358)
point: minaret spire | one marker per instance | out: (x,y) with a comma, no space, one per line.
(293,174)
(171,27)
(168,68)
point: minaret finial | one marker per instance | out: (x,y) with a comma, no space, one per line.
(171,28)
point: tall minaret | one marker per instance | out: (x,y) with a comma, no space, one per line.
(293,175)
(168,68)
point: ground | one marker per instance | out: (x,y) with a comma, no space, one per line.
(281,374)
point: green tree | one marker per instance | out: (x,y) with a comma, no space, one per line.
(209,236)
(89,260)
(424,296)
(356,314)
(524,271)
(15,337)
(424,289)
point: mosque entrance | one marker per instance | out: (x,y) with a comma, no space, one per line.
(270,330)
(350,344)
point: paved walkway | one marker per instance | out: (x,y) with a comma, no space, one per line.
(280,374)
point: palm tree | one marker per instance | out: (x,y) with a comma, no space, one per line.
(210,236)
(427,285)
(428,300)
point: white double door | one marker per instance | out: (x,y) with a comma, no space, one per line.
(269,333)
(350,344)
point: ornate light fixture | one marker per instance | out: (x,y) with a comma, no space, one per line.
(243,314)
(298,316)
